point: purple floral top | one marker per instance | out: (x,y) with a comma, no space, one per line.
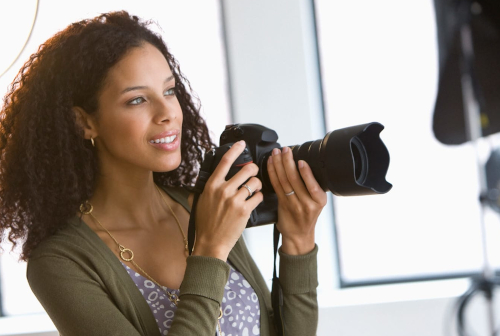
(240,304)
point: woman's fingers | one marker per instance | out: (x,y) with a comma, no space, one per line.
(245,173)
(317,193)
(250,187)
(233,187)
(253,201)
(292,174)
(227,161)
(273,176)
(286,172)
(279,173)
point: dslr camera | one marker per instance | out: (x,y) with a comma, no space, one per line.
(351,161)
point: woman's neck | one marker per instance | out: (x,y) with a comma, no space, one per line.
(132,201)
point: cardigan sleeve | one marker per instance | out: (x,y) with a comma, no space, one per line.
(78,303)
(75,301)
(298,276)
(200,297)
(299,279)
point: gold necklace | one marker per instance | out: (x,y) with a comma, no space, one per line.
(87,208)
(177,220)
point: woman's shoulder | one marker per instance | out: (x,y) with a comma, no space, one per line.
(73,236)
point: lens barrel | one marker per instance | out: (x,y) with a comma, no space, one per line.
(351,161)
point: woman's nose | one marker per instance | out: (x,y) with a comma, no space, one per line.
(167,110)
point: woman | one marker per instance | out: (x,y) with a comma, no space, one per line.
(100,143)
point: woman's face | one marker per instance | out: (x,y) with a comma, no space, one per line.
(139,119)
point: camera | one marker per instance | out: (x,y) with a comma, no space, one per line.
(351,161)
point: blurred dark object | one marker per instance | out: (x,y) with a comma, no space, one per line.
(483,18)
(493,180)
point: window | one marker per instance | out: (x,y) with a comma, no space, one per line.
(379,63)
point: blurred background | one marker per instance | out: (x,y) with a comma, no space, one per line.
(391,264)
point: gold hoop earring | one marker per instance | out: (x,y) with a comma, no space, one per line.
(92,141)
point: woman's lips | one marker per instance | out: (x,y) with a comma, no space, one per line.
(167,146)
(165,134)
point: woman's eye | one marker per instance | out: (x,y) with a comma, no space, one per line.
(137,101)
(169,92)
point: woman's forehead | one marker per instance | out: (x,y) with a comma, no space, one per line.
(141,66)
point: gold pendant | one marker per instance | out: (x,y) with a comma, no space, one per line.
(126,250)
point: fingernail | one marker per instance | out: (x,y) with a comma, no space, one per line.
(285,150)
(301,164)
(276,151)
(241,143)
(270,160)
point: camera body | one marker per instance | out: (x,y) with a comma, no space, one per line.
(260,141)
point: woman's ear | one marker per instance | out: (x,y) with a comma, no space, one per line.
(86,122)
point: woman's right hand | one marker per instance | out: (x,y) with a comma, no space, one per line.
(223,210)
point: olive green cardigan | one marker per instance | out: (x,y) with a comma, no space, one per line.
(86,291)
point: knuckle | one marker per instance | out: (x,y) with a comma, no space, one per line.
(314,190)
(258,183)
(251,169)
(299,208)
(246,169)
(210,186)
(242,210)
(225,160)
(254,167)
(309,208)
(226,194)
(231,201)
(258,196)
(255,179)
(234,206)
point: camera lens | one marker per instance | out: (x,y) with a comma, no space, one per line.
(348,162)
(360,161)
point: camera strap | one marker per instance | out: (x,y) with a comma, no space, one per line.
(203,176)
(277,291)
(192,228)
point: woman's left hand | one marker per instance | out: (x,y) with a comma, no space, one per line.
(298,212)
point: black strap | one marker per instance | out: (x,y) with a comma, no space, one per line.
(192,226)
(203,176)
(277,291)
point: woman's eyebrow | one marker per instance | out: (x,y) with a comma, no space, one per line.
(132,88)
(169,79)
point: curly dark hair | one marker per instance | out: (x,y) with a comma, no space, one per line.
(47,168)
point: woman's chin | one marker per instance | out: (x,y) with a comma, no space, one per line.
(169,165)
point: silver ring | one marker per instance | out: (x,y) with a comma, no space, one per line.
(250,191)
(290,193)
